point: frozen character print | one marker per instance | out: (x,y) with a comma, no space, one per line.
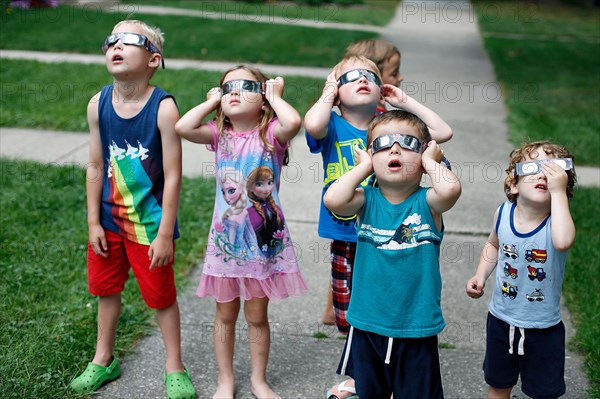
(265,215)
(238,235)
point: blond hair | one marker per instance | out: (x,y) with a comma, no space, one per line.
(153,33)
(356,59)
(377,50)
(528,150)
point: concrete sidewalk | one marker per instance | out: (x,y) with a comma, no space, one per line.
(443,54)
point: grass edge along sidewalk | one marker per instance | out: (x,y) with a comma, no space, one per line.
(48,317)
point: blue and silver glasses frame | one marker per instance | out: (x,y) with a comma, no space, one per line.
(356,74)
(535,167)
(405,141)
(131,38)
(241,85)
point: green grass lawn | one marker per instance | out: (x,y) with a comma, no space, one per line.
(582,281)
(550,74)
(373,12)
(63,90)
(185,37)
(48,318)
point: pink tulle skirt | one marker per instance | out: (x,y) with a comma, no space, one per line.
(277,287)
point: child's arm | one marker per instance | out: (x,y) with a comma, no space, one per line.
(317,118)
(440,131)
(343,197)
(94,180)
(190,126)
(445,186)
(563,228)
(161,249)
(487,262)
(289,118)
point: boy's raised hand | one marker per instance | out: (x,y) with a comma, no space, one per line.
(433,152)
(556,177)
(330,91)
(362,157)
(274,88)
(393,95)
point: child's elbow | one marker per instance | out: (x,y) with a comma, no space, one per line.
(309,127)
(449,134)
(330,202)
(444,135)
(564,244)
(327,200)
(295,123)
(179,128)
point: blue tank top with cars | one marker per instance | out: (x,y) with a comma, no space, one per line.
(529,274)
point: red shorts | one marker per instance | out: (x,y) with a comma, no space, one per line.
(107,276)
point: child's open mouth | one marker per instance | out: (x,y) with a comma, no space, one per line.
(541,187)
(394,165)
(117,58)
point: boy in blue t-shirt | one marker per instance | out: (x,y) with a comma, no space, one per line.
(528,248)
(397,255)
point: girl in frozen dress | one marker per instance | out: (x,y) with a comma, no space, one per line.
(252,128)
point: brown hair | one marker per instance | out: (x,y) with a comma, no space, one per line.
(267,113)
(261,173)
(377,50)
(529,150)
(397,116)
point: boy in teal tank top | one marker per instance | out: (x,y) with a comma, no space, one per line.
(399,236)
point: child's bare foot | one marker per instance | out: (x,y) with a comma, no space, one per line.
(328,317)
(224,391)
(263,391)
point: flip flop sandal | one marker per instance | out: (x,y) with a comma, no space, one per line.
(343,388)
(179,385)
(94,376)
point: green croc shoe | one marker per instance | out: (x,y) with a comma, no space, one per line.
(94,376)
(179,385)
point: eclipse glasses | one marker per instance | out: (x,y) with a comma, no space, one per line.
(535,167)
(405,141)
(241,85)
(131,38)
(356,74)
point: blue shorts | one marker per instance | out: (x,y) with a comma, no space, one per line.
(413,370)
(541,364)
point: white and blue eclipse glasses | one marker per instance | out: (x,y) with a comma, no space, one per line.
(535,167)
(356,74)
(241,85)
(131,38)
(405,141)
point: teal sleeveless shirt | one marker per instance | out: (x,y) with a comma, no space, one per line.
(396,283)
